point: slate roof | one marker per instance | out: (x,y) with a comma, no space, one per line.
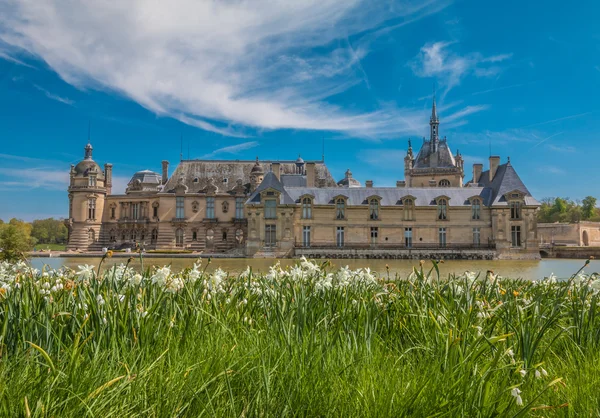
(293,180)
(506,180)
(272,182)
(232,170)
(445,157)
(391,196)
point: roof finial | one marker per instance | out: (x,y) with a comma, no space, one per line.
(409,144)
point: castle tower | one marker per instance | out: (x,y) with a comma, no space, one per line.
(88,187)
(256,175)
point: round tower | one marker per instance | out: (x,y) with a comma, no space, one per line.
(88,187)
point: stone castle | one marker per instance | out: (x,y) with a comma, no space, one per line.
(295,207)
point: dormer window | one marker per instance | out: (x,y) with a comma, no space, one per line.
(515,210)
(409,206)
(92,180)
(270,193)
(306,208)
(373,209)
(196,180)
(270,208)
(444,183)
(340,208)
(476,209)
(442,209)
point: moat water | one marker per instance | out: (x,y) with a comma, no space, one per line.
(530,270)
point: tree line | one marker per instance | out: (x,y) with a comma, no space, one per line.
(18,237)
(563,209)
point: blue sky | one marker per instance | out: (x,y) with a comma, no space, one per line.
(273,79)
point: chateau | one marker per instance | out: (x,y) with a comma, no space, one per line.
(295,207)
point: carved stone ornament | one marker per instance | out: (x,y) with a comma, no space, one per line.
(195,206)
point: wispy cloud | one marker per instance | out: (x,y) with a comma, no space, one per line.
(551,169)
(5,56)
(498,89)
(546,139)
(561,148)
(35,177)
(221,66)
(558,119)
(437,60)
(232,149)
(53,96)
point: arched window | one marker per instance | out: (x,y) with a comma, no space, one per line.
(444,183)
(476,209)
(442,209)
(409,206)
(154,236)
(373,209)
(179,237)
(340,208)
(306,208)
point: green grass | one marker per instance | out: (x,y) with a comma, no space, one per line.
(307,341)
(51,247)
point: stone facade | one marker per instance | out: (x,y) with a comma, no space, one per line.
(580,234)
(295,207)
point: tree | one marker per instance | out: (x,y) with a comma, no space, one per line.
(49,231)
(15,239)
(588,207)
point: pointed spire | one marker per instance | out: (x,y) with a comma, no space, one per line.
(88,151)
(434,116)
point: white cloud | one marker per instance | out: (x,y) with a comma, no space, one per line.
(558,148)
(53,96)
(220,65)
(437,60)
(32,178)
(550,169)
(232,149)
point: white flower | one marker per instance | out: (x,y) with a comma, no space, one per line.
(544,372)
(537,374)
(85,272)
(100,300)
(522,372)
(516,393)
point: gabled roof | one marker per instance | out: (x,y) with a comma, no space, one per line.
(270,181)
(506,180)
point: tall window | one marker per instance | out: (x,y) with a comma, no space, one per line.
(112,212)
(239,207)
(270,209)
(444,183)
(194,235)
(442,237)
(179,237)
(306,208)
(476,236)
(135,211)
(374,235)
(154,236)
(374,209)
(339,236)
(179,207)
(155,211)
(515,210)
(210,207)
(409,206)
(92,180)
(270,235)
(340,208)
(408,237)
(442,209)
(224,235)
(476,210)
(516,236)
(306,236)
(91,208)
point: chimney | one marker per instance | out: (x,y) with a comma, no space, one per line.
(369,183)
(477,169)
(108,178)
(165,171)
(310,174)
(276,168)
(494,163)
(401,183)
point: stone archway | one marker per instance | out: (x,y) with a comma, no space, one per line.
(585,238)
